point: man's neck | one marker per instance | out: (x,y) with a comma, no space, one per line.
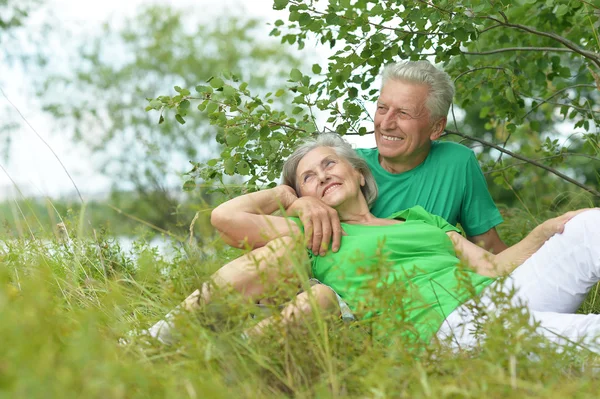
(397,166)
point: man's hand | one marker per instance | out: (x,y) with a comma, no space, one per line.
(321,224)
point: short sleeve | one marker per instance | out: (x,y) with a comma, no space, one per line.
(478,212)
(419,213)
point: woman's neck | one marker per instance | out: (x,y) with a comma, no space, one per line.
(355,212)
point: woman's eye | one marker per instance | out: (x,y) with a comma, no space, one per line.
(330,163)
(307,178)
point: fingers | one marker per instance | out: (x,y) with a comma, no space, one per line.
(326,238)
(317,236)
(337,231)
(308,231)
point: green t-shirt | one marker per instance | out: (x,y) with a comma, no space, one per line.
(416,256)
(449,183)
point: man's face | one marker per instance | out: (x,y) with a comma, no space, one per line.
(403,130)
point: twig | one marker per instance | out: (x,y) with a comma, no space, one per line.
(137,219)
(567,154)
(554,95)
(43,141)
(594,57)
(523,158)
(508,49)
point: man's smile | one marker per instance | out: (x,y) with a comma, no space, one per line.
(391,138)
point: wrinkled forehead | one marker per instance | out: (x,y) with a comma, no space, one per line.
(313,159)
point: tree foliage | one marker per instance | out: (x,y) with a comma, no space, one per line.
(159,48)
(527,75)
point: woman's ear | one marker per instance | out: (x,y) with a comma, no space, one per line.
(362,180)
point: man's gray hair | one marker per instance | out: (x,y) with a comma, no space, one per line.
(343,149)
(441,87)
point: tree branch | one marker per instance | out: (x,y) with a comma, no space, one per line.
(554,95)
(525,159)
(594,57)
(566,154)
(508,49)
(478,69)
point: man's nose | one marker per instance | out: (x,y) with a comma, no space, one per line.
(388,121)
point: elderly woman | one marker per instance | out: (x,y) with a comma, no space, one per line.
(551,269)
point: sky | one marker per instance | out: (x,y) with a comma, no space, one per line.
(33,166)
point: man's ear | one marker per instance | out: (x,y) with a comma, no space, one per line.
(438,128)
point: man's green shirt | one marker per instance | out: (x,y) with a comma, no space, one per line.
(448,183)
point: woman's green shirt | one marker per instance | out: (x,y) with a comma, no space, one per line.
(408,270)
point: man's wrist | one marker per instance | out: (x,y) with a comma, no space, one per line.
(286,195)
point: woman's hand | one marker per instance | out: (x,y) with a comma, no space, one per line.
(557,225)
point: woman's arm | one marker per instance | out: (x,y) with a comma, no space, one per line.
(247,220)
(488,264)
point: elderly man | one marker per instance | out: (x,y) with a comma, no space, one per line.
(410,167)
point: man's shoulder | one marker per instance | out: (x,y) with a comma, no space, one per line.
(365,152)
(371,155)
(451,154)
(449,148)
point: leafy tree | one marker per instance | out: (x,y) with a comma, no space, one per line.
(158,49)
(527,75)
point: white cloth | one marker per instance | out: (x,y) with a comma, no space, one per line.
(552,284)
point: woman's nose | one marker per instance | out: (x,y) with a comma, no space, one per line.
(322,176)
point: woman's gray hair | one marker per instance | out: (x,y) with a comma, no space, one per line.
(441,87)
(343,149)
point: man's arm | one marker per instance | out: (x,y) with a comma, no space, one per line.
(490,240)
(321,224)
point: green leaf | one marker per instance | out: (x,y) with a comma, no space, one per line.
(295,75)
(232,139)
(155,104)
(316,68)
(243,168)
(229,91)
(161,119)
(189,185)
(279,93)
(180,119)
(510,96)
(280,4)
(217,83)
(185,104)
(561,10)
(204,89)
(211,107)
(229,166)
(297,110)
(178,89)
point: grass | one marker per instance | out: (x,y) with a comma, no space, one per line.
(65,304)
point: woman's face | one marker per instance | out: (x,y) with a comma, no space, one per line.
(325,175)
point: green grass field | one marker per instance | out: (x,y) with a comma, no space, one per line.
(64,305)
